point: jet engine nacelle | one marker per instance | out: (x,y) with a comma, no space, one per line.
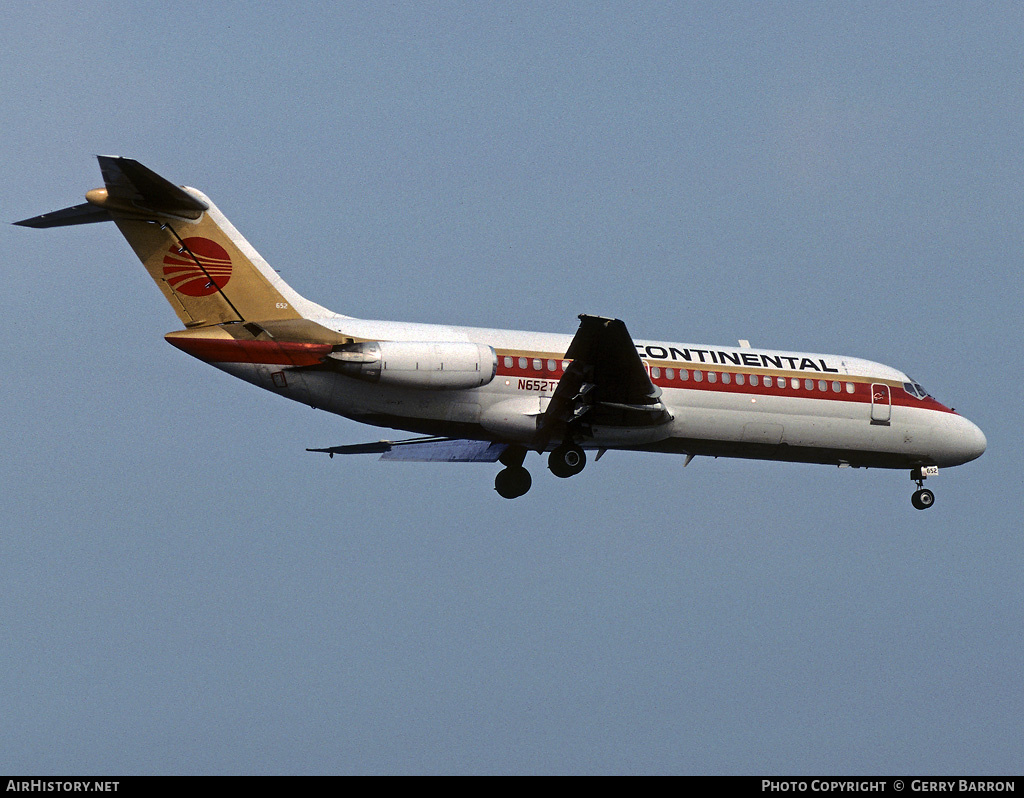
(442,366)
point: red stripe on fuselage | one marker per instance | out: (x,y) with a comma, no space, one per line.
(861,385)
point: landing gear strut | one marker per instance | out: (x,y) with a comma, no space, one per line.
(922,498)
(513,481)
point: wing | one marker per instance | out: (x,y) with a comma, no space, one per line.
(426,450)
(605,385)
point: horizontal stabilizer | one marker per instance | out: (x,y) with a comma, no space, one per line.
(86,213)
(130,188)
(130,184)
(426,450)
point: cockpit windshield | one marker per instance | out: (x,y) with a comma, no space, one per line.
(914,389)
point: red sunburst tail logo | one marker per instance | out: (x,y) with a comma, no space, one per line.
(206,277)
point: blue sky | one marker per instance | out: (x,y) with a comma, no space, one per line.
(186,590)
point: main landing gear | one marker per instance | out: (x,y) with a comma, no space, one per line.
(514,480)
(922,498)
(567,460)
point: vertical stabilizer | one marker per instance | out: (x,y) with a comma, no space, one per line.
(207,271)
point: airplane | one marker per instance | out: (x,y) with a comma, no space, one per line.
(488,395)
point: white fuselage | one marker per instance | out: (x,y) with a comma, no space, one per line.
(724,401)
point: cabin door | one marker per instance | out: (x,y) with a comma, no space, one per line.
(881,404)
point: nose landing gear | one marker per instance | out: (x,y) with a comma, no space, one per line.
(923,498)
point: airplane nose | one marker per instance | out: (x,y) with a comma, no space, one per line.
(975,442)
(970,442)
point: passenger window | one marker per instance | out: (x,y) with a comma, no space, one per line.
(565,365)
(822,385)
(523,362)
(849,387)
(656,373)
(552,365)
(754,380)
(537,365)
(740,379)
(781,382)
(726,377)
(835,387)
(698,376)
(712,376)
(794,383)
(809,385)
(684,374)
(508,362)
(670,374)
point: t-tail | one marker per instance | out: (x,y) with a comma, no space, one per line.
(207,271)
